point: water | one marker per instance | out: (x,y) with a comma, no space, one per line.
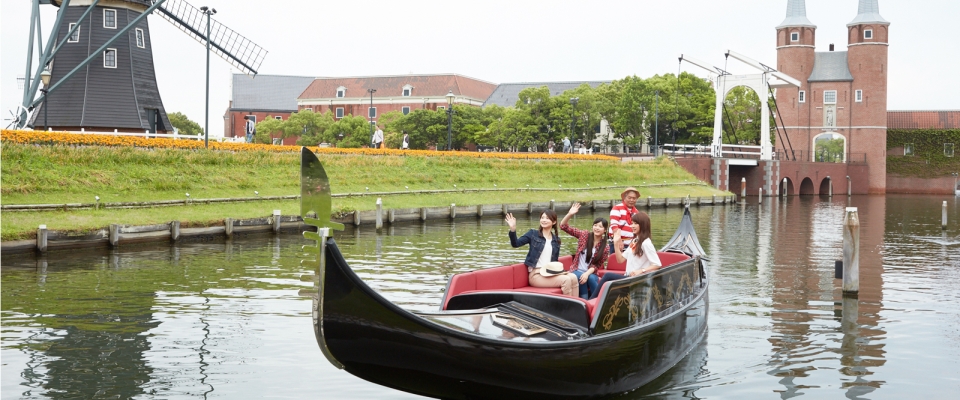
(224,320)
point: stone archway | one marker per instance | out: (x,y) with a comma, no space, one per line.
(788,185)
(806,187)
(826,187)
(829,147)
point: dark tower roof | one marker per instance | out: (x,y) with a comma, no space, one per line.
(831,66)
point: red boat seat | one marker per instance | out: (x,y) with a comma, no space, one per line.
(507,277)
(620,268)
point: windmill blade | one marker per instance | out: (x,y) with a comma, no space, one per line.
(233,47)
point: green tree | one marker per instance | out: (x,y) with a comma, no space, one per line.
(184,125)
(355,130)
(268,128)
(741,116)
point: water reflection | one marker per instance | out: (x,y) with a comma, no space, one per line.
(224,318)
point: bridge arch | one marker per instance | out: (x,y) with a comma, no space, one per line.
(788,185)
(829,147)
(825,186)
(806,187)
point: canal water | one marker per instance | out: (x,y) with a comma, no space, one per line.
(225,320)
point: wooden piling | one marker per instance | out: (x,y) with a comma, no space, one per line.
(391,216)
(228,227)
(379,220)
(553,205)
(276,221)
(114,234)
(783,189)
(356,218)
(530,208)
(423,213)
(479,210)
(849,186)
(943,218)
(760,196)
(743,189)
(453,211)
(174,231)
(42,238)
(851,252)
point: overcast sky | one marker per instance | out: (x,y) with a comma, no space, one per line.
(515,41)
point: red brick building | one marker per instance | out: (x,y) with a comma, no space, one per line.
(923,119)
(843,92)
(404,93)
(262,96)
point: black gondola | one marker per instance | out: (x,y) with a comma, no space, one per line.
(493,339)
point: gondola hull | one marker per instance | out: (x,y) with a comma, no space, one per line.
(375,340)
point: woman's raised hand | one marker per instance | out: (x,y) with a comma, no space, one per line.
(511,222)
(574,209)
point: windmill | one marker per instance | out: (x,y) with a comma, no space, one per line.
(97,67)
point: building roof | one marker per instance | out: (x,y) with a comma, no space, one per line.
(507,94)
(830,66)
(392,86)
(796,15)
(267,92)
(868,13)
(946,119)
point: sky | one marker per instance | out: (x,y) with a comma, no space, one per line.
(513,41)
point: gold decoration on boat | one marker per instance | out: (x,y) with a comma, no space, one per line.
(614,310)
(658,296)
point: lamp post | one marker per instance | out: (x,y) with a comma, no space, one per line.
(656,123)
(45,78)
(206,115)
(370,112)
(450,97)
(573,117)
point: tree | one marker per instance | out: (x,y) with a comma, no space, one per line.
(741,116)
(184,125)
(355,130)
(267,128)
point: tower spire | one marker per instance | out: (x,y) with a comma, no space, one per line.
(797,14)
(868,13)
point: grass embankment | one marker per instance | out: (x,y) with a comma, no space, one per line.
(61,174)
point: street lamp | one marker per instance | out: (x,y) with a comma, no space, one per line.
(206,116)
(45,78)
(450,97)
(573,117)
(370,112)
(656,123)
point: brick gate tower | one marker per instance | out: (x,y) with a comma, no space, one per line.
(842,93)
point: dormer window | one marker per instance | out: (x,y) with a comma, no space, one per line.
(868,34)
(407,89)
(341,92)
(794,36)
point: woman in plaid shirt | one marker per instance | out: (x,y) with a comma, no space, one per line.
(591,251)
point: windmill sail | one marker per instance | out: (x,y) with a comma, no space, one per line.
(233,47)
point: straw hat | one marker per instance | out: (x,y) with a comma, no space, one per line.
(627,190)
(552,268)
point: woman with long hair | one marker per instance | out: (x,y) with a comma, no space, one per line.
(544,249)
(591,255)
(641,257)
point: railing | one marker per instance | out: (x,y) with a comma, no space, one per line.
(150,135)
(819,157)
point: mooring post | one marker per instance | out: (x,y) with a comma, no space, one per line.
(276,221)
(851,252)
(114,234)
(529,208)
(743,189)
(453,211)
(379,213)
(42,236)
(783,191)
(593,205)
(649,202)
(760,196)
(849,186)
(943,218)
(174,230)
(503,209)
(391,216)
(423,214)
(479,210)
(552,205)
(714,200)
(228,227)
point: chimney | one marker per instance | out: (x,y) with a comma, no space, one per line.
(831,46)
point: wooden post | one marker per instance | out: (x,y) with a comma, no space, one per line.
(391,216)
(479,210)
(356,218)
(379,214)
(851,252)
(714,200)
(529,208)
(743,189)
(276,221)
(943,218)
(42,236)
(849,186)
(552,205)
(783,190)
(453,211)
(503,209)
(593,205)
(423,213)
(114,234)
(649,202)
(174,230)
(228,227)
(830,188)
(760,196)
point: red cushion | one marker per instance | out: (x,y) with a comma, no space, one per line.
(567,261)
(521,277)
(591,305)
(671,258)
(543,290)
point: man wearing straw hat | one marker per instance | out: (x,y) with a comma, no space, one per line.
(620,214)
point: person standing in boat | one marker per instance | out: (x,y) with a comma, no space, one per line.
(544,249)
(591,251)
(620,215)
(641,257)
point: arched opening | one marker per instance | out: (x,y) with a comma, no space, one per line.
(741,116)
(826,186)
(830,147)
(786,187)
(806,187)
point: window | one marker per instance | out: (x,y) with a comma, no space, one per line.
(802,97)
(405,110)
(948,149)
(110,58)
(829,97)
(406,92)
(75,36)
(140,41)
(110,18)
(868,34)
(339,112)
(858,96)
(278,118)
(373,112)
(908,149)
(794,36)
(341,91)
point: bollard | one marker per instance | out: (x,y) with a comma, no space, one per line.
(423,213)
(783,190)
(649,202)
(851,252)
(714,199)
(276,221)
(356,218)
(743,189)
(391,216)
(379,213)
(453,211)
(849,186)
(479,210)
(943,219)
(174,230)
(760,196)
(503,209)
(552,205)
(114,234)
(593,205)
(529,208)
(830,189)
(42,237)
(228,227)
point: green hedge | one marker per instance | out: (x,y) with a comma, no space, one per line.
(928,159)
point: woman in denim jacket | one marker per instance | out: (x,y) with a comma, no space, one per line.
(544,248)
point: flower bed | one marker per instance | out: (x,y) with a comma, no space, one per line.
(93,139)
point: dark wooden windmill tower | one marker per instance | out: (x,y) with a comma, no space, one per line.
(99,62)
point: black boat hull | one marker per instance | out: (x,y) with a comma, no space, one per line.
(384,344)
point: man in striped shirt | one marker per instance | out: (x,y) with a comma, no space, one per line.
(620,215)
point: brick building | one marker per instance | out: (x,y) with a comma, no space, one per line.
(843,93)
(404,93)
(262,96)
